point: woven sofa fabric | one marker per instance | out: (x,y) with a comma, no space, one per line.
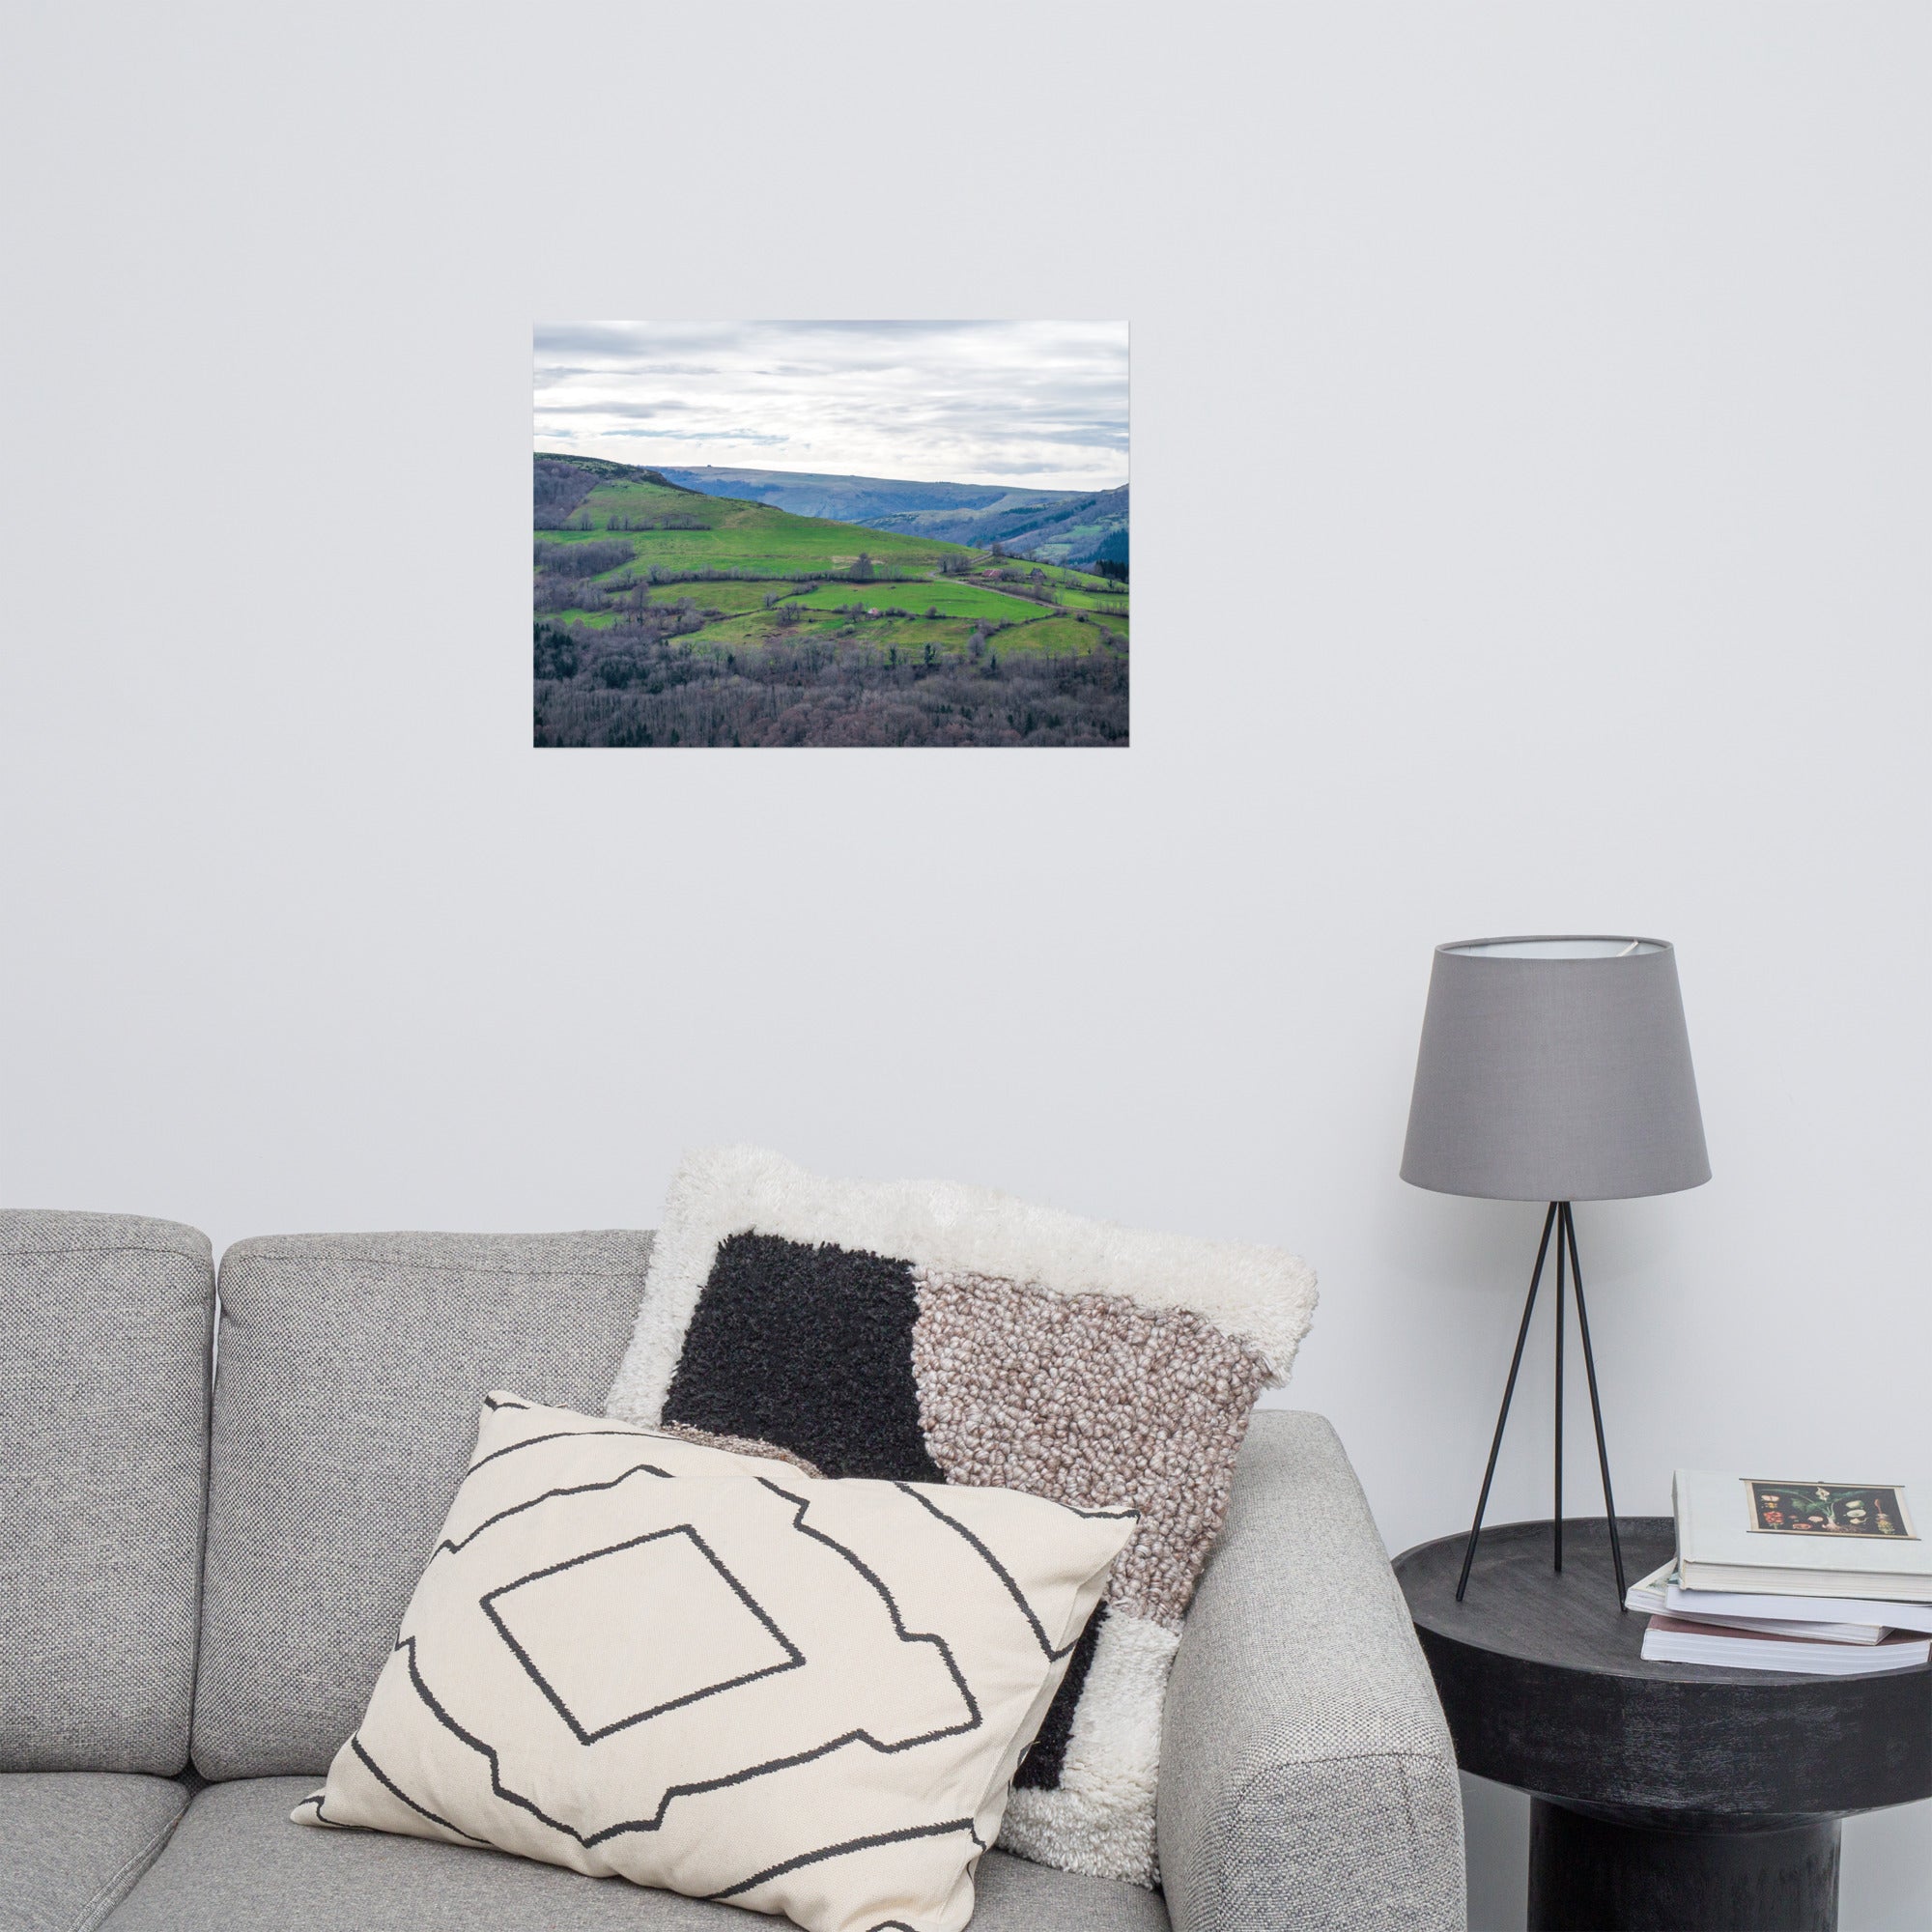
(74,1842)
(352,1368)
(1308,1779)
(237,1864)
(103,1408)
(635,1654)
(926,1331)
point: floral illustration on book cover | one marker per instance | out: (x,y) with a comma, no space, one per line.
(1829,1509)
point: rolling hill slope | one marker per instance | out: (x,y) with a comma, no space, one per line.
(678,528)
(608,530)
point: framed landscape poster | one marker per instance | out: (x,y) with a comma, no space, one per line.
(814,533)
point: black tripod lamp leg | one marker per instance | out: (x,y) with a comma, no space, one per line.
(1509,1389)
(1595,1406)
(1556,1487)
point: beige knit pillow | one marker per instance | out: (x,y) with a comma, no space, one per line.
(636,1654)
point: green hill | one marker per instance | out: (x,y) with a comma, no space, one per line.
(612,537)
(644,588)
(681,529)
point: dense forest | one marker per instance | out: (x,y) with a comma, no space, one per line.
(652,689)
(668,617)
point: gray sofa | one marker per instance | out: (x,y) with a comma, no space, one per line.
(200,1575)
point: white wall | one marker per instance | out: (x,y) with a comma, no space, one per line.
(1530,461)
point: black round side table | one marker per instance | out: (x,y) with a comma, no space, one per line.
(1670,1797)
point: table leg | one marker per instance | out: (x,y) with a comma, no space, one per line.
(1600,1871)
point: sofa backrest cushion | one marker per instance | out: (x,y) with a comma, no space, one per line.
(104,1333)
(350,1371)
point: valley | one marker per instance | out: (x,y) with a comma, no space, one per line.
(1069,527)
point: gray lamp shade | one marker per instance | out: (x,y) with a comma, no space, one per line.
(1555,1069)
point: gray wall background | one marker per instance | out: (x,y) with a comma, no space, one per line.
(1530,461)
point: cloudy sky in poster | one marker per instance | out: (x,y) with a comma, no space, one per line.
(1042,404)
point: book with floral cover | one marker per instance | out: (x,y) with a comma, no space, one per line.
(1802,1537)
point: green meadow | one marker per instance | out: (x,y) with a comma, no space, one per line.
(656,542)
(728,599)
(947,596)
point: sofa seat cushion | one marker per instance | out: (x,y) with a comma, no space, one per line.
(237,1864)
(345,1406)
(71,1842)
(104,1412)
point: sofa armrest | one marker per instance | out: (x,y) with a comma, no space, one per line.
(1307,1779)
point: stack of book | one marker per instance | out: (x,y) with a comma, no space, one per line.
(1828,1579)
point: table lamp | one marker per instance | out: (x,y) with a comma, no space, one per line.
(1554,1069)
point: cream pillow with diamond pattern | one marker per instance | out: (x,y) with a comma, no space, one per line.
(645,1656)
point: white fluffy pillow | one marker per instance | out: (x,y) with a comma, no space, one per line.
(934,1333)
(635,1655)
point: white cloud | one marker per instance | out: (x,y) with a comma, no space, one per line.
(1040,403)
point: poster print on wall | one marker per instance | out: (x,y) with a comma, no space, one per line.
(855,533)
